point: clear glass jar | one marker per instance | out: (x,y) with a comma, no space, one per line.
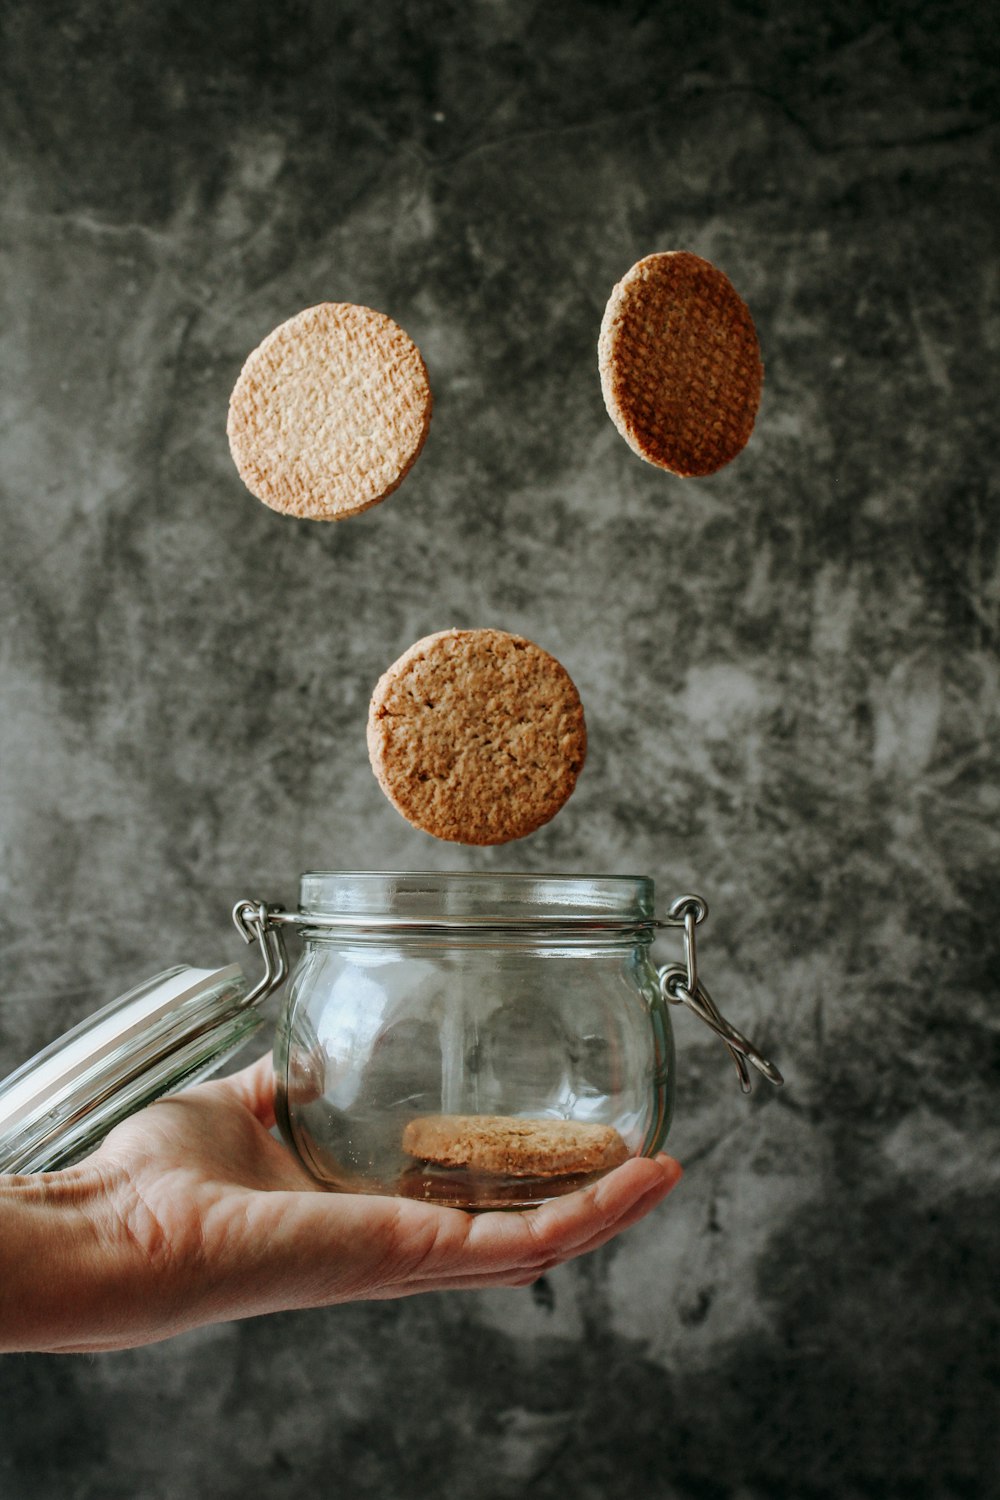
(476,1040)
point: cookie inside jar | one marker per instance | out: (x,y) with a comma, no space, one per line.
(501,1161)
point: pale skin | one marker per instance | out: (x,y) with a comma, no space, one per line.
(191,1212)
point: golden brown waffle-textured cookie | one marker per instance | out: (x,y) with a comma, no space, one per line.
(680,364)
(510,1146)
(329,412)
(476,736)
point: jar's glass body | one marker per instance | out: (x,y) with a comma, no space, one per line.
(514,1050)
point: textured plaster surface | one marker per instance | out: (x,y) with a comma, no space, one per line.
(790,673)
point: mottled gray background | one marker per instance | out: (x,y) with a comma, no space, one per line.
(790,674)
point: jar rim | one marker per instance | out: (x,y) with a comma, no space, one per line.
(481,896)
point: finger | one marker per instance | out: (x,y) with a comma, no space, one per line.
(497,1246)
(570,1225)
(253,1087)
(304,1249)
(639,1210)
(469,1279)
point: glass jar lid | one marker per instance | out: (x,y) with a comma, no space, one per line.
(170,1031)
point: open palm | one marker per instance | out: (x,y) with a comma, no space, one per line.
(209,1218)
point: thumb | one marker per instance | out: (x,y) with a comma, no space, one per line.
(253,1087)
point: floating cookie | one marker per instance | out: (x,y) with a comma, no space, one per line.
(329,412)
(509,1146)
(680,364)
(476,736)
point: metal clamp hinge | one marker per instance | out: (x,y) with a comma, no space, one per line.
(252,919)
(681,985)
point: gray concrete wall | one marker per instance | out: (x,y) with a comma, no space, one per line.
(789,670)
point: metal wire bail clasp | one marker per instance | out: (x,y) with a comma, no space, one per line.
(252,919)
(680,985)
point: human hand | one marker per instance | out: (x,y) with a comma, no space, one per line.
(192,1213)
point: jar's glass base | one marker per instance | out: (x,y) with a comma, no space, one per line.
(460,1187)
(474,1162)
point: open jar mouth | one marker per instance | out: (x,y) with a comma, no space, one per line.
(479,901)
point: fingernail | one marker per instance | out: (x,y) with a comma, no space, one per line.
(673,1167)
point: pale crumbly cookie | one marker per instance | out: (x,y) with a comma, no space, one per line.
(680,364)
(476,736)
(330,412)
(510,1146)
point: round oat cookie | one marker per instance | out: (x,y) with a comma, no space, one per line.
(511,1146)
(680,364)
(330,412)
(476,736)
